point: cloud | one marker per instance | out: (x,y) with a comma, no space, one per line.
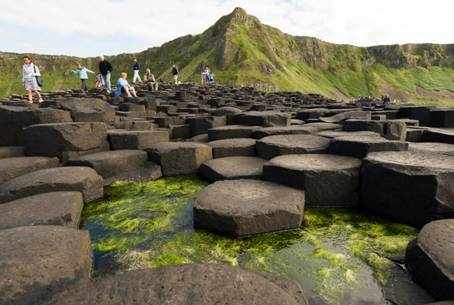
(83,27)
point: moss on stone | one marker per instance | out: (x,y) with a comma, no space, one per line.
(149,224)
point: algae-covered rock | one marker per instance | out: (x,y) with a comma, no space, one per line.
(338,257)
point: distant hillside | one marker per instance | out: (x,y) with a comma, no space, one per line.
(243,51)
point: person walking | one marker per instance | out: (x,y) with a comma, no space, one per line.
(82,72)
(31,79)
(136,70)
(105,68)
(176,74)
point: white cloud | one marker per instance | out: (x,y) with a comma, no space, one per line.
(153,22)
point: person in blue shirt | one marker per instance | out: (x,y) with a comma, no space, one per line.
(124,88)
(82,72)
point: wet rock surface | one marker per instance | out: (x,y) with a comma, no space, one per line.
(182,285)
(430,258)
(246,207)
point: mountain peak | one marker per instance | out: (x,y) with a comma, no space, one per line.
(239,15)
(239,12)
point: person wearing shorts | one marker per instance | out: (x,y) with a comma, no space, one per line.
(30,72)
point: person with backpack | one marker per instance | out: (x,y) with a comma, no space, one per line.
(31,79)
(82,72)
(176,74)
(136,70)
(105,68)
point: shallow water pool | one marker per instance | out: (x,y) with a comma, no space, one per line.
(339,256)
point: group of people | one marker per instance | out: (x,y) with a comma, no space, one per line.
(123,88)
(32,81)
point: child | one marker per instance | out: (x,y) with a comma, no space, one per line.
(98,81)
(82,72)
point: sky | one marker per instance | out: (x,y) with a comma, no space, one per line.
(94,27)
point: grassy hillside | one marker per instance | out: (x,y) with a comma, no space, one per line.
(243,51)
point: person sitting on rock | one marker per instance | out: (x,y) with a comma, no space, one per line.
(124,88)
(151,80)
(30,77)
(82,72)
(176,74)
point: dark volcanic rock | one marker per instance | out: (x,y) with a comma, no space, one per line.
(11,152)
(136,139)
(179,158)
(53,140)
(38,261)
(409,187)
(120,165)
(337,118)
(429,147)
(86,109)
(360,146)
(275,131)
(270,147)
(430,258)
(15,119)
(195,284)
(262,118)
(230,168)
(57,208)
(231,132)
(201,125)
(246,207)
(337,134)
(322,126)
(327,180)
(11,168)
(233,147)
(82,179)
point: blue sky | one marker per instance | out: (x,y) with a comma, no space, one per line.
(90,28)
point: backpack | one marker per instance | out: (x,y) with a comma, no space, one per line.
(39,79)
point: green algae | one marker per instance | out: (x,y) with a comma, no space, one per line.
(149,224)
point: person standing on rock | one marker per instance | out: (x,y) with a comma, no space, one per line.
(205,73)
(176,74)
(136,70)
(31,79)
(105,68)
(82,72)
